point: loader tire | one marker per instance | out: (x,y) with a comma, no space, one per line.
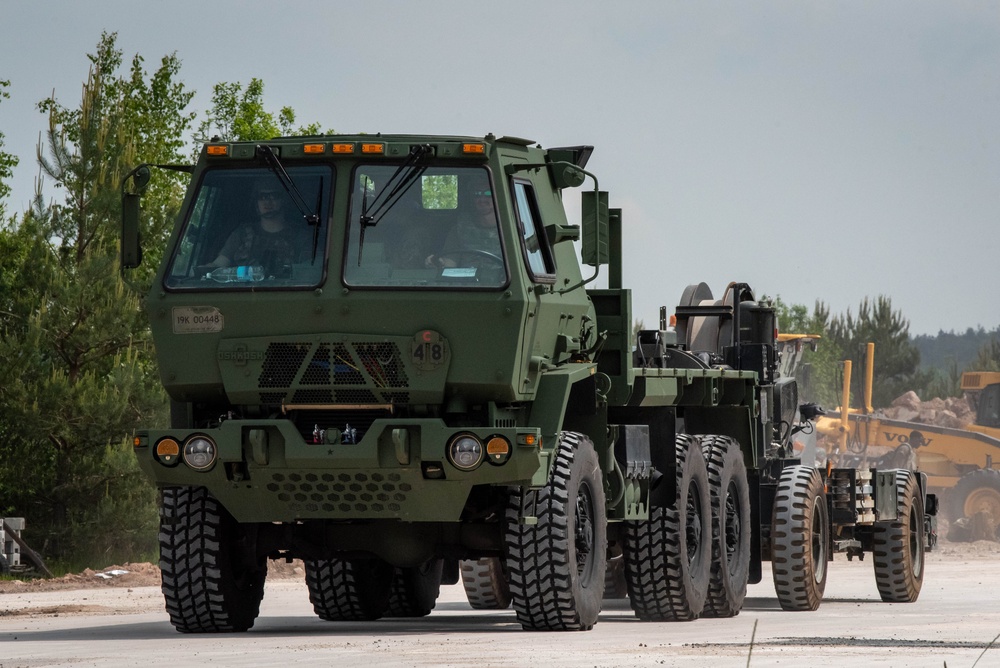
(730,494)
(485,583)
(212,581)
(800,539)
(556,559)
(668,558)
(414,591)
(898,552)
(976,492)
(343,590)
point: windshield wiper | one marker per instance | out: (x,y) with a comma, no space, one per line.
(401,181)
(310,216)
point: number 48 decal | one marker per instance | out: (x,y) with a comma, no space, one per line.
(429,350)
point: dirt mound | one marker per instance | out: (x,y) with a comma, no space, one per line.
(128,575)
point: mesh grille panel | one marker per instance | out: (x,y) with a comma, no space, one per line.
(370,493)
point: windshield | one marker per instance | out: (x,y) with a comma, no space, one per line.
(244,230)
(442,232)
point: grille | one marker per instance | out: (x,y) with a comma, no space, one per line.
(340,492)
(325,372)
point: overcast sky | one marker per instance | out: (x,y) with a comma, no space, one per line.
(817,150)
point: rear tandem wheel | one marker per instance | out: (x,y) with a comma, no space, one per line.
(730,492)
(668,557)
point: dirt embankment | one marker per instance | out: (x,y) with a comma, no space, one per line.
(126,575)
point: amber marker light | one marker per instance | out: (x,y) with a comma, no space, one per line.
(217,149)
(168,451)
(314,149)
(343,148)
(498,450)
(373,148)
(474,148)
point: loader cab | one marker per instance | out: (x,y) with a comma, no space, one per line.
(988,407)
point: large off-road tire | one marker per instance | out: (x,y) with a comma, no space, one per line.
(344,590)
(668,558)
(976,492)
(485,583)
(415,590)
(212,580)
(556,559)
(615,586)
(730,493)
(899,544)
(800,539)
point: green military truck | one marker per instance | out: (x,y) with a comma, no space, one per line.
(384,357)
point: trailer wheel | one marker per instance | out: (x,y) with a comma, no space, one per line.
(976,492)
(556,557)
(344,590)
(668,557)
(899,544)
(800,539)
(212,580)
(414,591)
(485,583)
(730,493)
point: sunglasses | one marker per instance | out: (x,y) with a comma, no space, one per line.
(484,193)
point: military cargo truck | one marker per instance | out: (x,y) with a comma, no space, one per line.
(386,356)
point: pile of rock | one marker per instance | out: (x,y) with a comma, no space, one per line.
(953,412)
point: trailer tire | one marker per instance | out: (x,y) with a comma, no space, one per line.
(485,583)
(976,491)
(556,563)
(211,579)
(415,590)
(668,558)
(343,590)
(730,494)
(800,539)
(898,553)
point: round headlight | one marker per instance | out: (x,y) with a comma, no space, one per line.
(199,453)
(466,452)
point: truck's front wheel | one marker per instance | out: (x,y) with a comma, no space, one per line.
(557,543)
(212,580)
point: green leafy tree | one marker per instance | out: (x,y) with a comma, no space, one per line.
(238,114)
(897,360)
(75,346)
(7,161)
(989,356)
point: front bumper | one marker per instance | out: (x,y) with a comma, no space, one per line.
(267,472)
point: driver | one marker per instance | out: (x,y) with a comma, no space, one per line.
(270,241)
(476,230)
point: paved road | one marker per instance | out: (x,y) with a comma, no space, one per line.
(956,618)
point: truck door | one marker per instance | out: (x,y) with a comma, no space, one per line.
(545,321)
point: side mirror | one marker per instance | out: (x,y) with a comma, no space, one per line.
(595,237)
(566,175)
(131,249)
